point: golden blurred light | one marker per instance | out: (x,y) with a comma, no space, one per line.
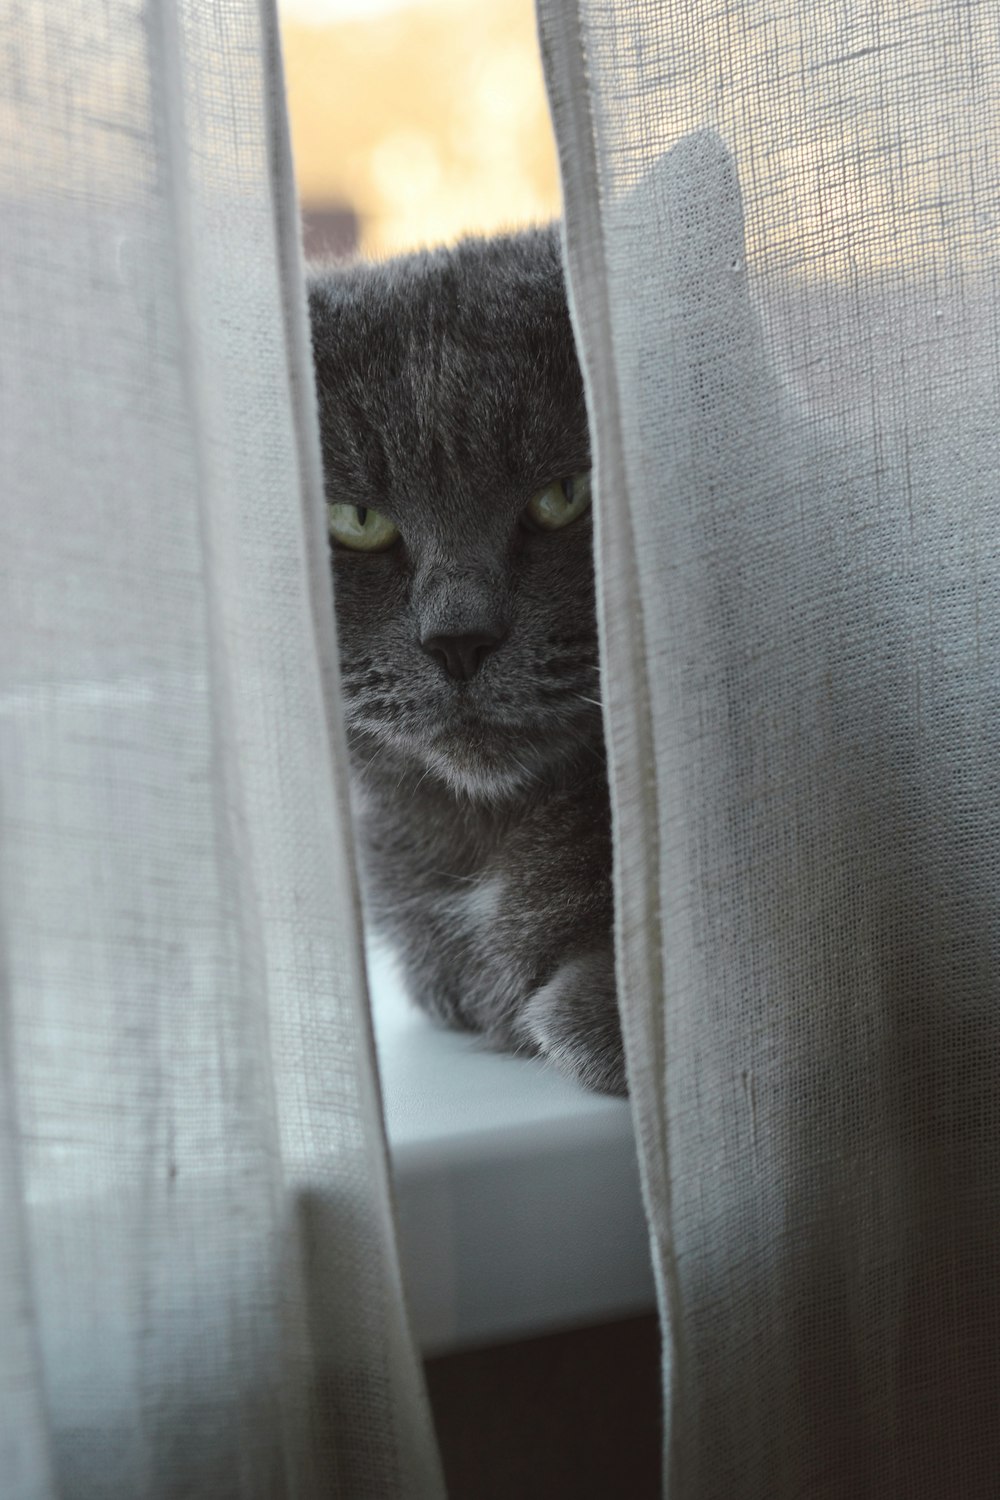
(426,118)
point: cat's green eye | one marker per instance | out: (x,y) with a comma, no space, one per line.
(560,502)
(362,529)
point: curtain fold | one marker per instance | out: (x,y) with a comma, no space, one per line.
(199,1290)
(780,226)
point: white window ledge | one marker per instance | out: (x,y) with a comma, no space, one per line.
(517,1192)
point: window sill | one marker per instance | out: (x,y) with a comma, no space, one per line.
(517,1192)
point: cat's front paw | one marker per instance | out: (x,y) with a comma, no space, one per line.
(573,1021)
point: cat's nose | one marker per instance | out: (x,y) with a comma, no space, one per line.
(462,655)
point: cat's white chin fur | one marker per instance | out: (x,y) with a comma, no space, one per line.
(481,780)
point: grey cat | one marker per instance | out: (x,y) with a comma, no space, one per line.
(456,459)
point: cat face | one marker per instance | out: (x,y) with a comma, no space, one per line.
(451,408)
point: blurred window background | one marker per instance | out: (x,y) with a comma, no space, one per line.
(416,121)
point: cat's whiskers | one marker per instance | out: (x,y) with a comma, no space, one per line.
(375,755)
(532,775)
(597,751)
(426,772)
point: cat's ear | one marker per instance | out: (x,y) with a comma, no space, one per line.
(694,327)
(692,194)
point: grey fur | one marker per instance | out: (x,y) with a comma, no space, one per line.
(449,393)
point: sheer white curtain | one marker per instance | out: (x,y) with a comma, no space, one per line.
(199,1292)
(782,229)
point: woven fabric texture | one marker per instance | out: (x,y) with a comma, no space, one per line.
(781,226)
(199,1292)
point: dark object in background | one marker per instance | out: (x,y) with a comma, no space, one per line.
(330,231)
(571,1416)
